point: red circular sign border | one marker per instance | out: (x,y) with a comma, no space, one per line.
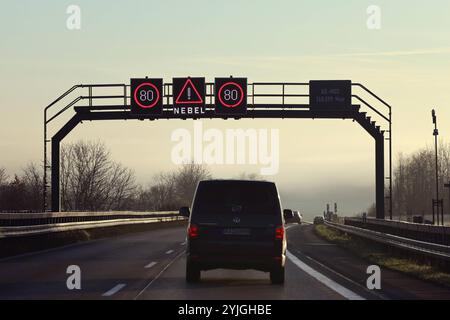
(137,100)
(231,105)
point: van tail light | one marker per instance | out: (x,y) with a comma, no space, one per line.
(193,231)
(279,233)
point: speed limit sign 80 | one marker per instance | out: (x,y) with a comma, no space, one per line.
(230,95)
(146,96)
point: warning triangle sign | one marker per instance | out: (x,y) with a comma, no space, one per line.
(189,94)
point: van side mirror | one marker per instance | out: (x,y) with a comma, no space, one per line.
(185,212)
(288,214)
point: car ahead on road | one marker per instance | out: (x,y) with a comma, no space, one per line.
(291,216)
(318,220)
(235,224)
(297,217)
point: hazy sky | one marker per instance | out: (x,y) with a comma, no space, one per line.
(407,62)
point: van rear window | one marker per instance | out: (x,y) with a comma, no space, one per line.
(231,197)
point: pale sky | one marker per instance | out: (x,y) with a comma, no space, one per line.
(406,62)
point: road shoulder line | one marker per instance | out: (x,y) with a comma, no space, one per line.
(346,293)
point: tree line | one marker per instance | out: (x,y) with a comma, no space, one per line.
(92,181)
(414,181)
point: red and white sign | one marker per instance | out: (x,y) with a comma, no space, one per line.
(189,95)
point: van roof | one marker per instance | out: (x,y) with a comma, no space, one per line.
(237,180)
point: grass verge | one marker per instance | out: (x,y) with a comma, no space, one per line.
(386,257)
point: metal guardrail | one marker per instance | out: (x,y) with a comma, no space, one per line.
(416,231)
(35,218)
(416,246)
(28,224)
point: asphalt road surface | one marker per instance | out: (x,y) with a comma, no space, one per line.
(151,265)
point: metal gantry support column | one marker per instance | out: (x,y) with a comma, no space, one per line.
(46,122)
(56,141)
(389,120)
(56,200)
(379,163)
(379,176)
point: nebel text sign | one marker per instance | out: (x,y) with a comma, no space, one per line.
(146,96)
(230,96)
(189,95)
(330,93)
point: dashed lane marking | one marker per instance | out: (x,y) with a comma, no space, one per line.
(114,290)
(159,275)
(151,264)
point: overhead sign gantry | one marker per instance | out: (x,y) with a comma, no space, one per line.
(226,97)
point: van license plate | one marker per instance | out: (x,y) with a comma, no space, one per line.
(236,232)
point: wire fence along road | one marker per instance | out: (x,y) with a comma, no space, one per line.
(421,247)
(26,224)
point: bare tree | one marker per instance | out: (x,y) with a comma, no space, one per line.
(169,191)
(186,180)
(249,176)
(162,193)
(33,181)
(414,181)
(3,188)
(372,210)
(122,187)
(3,176)
(90,180)
(23,192)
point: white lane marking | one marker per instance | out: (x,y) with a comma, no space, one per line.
(183,243)
(151,264)
(297,225)
(346,293)
(169,252)
(380,296)
(114,290)
(159,274)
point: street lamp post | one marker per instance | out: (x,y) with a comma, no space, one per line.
(435,134)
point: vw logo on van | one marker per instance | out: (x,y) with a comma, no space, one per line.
(236,208)
(237,220)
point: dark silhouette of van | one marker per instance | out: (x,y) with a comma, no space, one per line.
(235,224)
